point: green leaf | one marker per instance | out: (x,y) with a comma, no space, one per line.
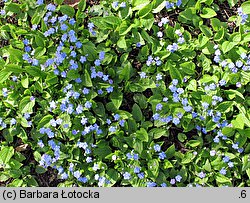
(25,82)
(35,71)
(58,2)
(138,146)
(136,112)
(16,183)
(145,10)
(194,143)
(153,168)
(232,93)
(13,7)
(116,97)
(167,164)
(86,79)
(158,132)
(160,7)
(26,105)
(112,176)
(16,55)
(102,149)
(141,100)
(219,35)
(175,74)
(225,106)
(14,164)
(67,10)
(227,46)
(181,137)
(228,131)
(170,151)
(207,166)
(5,154)
(73,74)
(142,135)
(240,121)
(208,13)
(82,5)
(246,7)
(232,3)
(4,75)
(188,67)
(99,110)
(89,49)
(222,179)
(13,68)
(139,4)
(245,162)
(44,121)
(122,43)
(216,24)
(206,30)
(40,41)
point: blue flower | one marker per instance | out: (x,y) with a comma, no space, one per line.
(160,34)
(212,153)
(115,4)
(137,169)
(151,184)
(176,121)
(89,159)
(77,174)
(64,176)
(159,76)
(172,181)
(202,174)
(223,171)
(158,107)
(40,143)
(157,148)
(235,146)
(2,12)
(205,105)
(97,62)
(51,7)
(230,164)
(129,156)
(141,175)
(138,44)
(72,21)
(83,179)
(169,5)
(110,89)
(83,59)
(116,117)
(46,160)
(39,2)
(178,178)
(162,155)
(136,157)
(123,5)
(112,129)
(126,176)
(101,55)
(88,105)
(122,122)
(142,75)
(226,159)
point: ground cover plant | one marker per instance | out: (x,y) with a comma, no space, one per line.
(125,93)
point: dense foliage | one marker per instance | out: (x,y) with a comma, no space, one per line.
(125,93)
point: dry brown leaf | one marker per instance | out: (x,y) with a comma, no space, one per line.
(72,3)
(21,148)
